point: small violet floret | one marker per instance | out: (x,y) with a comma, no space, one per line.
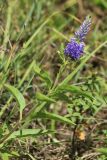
(75,48)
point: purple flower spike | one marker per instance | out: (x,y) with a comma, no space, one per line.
(74,49)
(83,30)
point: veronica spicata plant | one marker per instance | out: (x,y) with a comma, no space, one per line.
(75,48)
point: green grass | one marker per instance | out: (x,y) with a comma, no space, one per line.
(44,95)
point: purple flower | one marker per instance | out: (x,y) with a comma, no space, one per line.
(74,49)
(81,33)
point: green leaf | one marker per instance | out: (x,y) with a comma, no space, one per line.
(102,150)
(7,155)
(43,97)
(28,132)
(18,96)
(4,156)
(101,3)
(72,89)
(43,75)
(55,117)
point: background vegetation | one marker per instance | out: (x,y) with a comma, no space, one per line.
(52,108)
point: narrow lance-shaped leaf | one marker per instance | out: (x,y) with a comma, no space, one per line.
(28,132)
(72,89)
(55,117)
(43,97)
(18,96)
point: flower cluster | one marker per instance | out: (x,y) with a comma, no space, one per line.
(75,48)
